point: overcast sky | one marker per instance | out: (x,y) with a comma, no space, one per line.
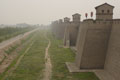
(45,11)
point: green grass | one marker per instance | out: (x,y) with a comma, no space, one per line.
(32,65)
(61,55)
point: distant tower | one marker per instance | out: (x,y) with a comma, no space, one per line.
(66,19)
(76,17)
(104,11)
(60,21)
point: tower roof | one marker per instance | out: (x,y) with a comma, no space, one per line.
(103,5)
(76,14)
(66,18)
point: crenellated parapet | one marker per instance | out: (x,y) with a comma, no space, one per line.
(101,22)
(97,22)
(116,21)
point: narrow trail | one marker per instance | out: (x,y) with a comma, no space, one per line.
(17,63)
(48,65)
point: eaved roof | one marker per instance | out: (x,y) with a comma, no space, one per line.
(104,4)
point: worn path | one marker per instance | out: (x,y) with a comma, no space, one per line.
(48,65)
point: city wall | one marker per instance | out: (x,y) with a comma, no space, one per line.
(92,45)
(112,64)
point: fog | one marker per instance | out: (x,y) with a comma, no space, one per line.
(45,11)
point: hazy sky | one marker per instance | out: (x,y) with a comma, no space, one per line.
(45,11)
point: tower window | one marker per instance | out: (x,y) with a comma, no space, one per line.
(102,11)
(108,11)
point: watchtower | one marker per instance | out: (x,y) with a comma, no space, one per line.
(60,21)
(76,17)
(66,19)
(104,12)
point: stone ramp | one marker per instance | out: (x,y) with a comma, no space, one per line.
(104,75)
(101,74)
(73,68)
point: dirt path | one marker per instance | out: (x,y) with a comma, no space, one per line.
(48,65)
(9,72)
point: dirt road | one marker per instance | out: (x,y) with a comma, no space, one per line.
(12,40)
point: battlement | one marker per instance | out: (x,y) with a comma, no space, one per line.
(100,21)
(116,21)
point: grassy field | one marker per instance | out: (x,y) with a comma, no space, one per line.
(61,55)
(32,65)
(8,32)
